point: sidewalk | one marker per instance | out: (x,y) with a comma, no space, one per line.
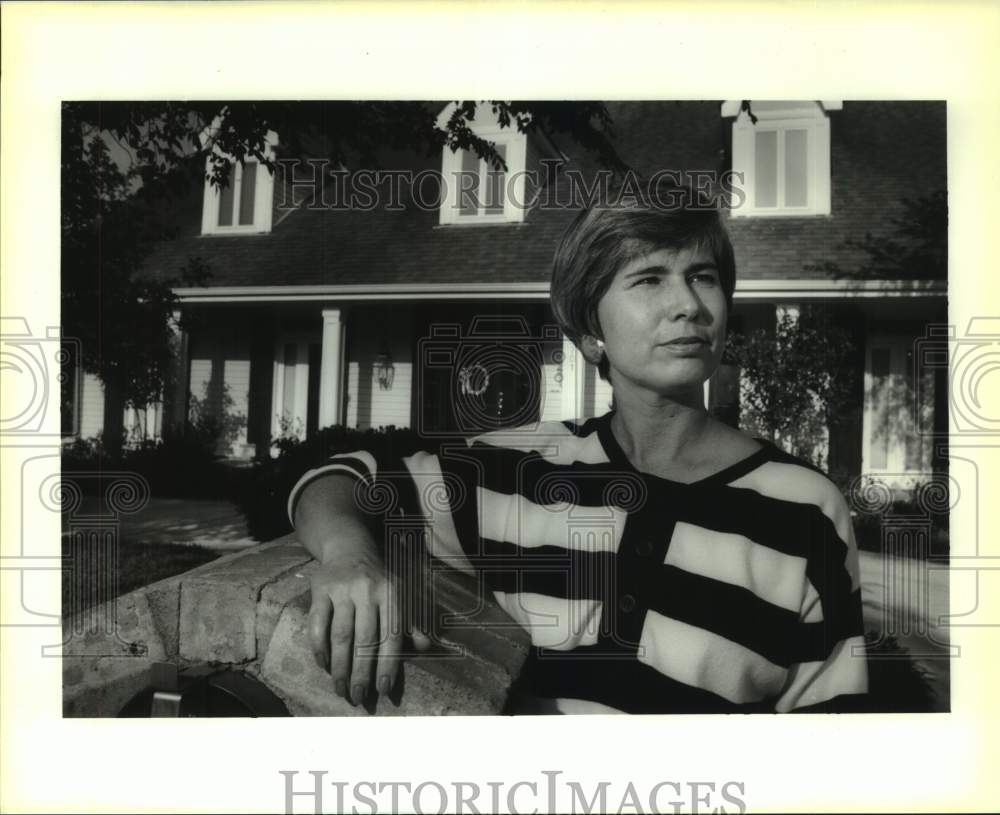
(215,524)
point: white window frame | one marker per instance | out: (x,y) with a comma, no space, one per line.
(809,117)
(263,197)
(513,181)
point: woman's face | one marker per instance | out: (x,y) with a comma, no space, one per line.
(664,322)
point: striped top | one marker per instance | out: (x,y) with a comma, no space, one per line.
(735,593)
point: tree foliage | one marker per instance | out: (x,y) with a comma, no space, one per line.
(915,249)
(793,382)
(108,225)
(163,135)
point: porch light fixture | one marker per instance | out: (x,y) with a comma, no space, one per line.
(385,370)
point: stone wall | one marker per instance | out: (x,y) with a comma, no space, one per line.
(248,611)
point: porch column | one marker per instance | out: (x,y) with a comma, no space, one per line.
(176,391)
(574,367)
(331,371)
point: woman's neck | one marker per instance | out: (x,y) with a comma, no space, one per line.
(656,429)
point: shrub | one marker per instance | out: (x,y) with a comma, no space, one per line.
(264,499)
(184,464)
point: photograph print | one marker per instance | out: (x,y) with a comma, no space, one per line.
(499,407)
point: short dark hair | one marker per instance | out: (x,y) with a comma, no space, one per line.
(612,232)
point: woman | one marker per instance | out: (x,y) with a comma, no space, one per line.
(660,560)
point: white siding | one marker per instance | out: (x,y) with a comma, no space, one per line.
(603,393)
(220,383)
(894,447)
(550,408)
(392,407)
(91,407)
(201,375)
(236,375)
(368,405)
(351,417)
(596,393)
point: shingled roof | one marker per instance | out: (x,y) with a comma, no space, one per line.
(881,153)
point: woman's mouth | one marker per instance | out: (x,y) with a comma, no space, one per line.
(686,341)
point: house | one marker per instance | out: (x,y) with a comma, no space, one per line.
(432,312)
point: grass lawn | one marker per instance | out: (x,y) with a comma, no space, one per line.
(89,575)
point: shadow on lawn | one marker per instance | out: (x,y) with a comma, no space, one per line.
(88,580)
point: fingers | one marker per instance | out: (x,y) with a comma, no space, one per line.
(320,614)
(365,648)
(355,630)
(418,620)
(341,640)
(420,640)
(391,638)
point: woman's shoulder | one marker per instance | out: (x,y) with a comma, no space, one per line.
(787,477)
(559,442)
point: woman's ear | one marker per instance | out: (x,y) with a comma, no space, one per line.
(592,349)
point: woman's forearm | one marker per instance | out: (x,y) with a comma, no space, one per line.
(328,521)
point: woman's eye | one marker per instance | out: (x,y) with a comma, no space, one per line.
(642,281)
(705,278)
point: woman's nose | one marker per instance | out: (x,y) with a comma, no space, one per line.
(681,301)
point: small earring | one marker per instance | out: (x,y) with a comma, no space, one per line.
(600,344)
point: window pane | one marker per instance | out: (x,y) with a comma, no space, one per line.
(288,394)
(247,190)
(226,200)
(880,409)
(495,185)
(468,184)
(796,168)
(766,169)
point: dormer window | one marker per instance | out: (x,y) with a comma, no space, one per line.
(474,191)
(783,158)
(244,204)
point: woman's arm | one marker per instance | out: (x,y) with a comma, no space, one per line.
(831,674)
(355,621)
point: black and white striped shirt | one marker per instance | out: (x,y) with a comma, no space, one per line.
(735,593)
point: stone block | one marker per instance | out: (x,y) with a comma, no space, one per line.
(164,598)
(250,609)
(103,667)
(218,601)
(276,596)
(467,615)
(430,686)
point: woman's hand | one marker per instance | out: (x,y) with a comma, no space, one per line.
(356,622)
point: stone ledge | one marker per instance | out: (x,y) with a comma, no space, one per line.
(248,610)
